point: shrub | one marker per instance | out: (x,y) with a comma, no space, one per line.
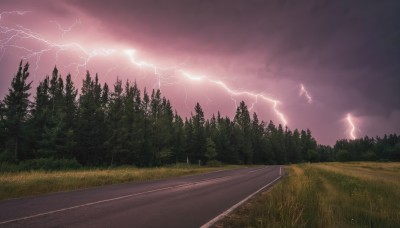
(369,156)
(343,155)
(46,164)
(214,163)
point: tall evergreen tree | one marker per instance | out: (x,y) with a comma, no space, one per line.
(189,147)
(40,115)
(199,136)
(70,110)
(54,134)
(3,128)
(130,117)
(165,125)
(296,155)
(70,103)
(224,141)
(178,139)
(243,133)
(118,132)
(16,104)
(304,145)
(90,130)
(147,150)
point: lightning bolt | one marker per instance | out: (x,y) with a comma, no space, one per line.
(20,13)
(68,29)
(221,84)
(18,34)
(304,92)
(352,126)
(256,96)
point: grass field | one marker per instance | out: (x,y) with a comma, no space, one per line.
(19,184)
(360,194)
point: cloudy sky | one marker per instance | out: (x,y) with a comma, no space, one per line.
(346,54)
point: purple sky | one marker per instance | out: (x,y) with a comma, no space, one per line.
(346,54)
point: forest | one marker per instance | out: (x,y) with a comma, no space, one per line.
(102,125)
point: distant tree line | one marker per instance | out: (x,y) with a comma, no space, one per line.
(369,149)
(122,125)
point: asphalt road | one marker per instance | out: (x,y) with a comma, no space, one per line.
(191,201)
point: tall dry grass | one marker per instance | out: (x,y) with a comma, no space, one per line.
(327,195)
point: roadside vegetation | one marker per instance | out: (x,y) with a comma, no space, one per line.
(29,183)
(359,194)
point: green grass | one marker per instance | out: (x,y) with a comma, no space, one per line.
(21,184)
(326,195)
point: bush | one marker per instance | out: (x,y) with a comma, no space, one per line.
(313,156)
(369,156)
(343,155)
(6,157)
(46,164)
(214,163)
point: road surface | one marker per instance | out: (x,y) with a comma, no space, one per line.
(190,201)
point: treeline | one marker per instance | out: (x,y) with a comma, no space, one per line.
(369,149)
(122,125)
(103,126)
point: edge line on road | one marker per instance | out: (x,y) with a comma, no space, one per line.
(223,214)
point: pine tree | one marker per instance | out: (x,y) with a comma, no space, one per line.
(40,115)
(147,149)
(70,109)
(178,139)
(313,156)
(129,118)
(53,137)
(3,128)
(211,152)
(199,136)
(189,147)
(280,146)
(16,104)
(304,145)
(118,131)
(137,128)
(296,154)
(165,125)
(224,141)
(257,130)
(243,133)
(70,103)
(90,130)
(161,121)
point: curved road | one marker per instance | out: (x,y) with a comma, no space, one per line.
(190,201)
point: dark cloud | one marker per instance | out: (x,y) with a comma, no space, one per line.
(349,45)
(54,8)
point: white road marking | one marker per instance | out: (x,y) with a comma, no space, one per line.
(223,214)
(257,169)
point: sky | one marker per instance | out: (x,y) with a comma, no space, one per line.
(317,64)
